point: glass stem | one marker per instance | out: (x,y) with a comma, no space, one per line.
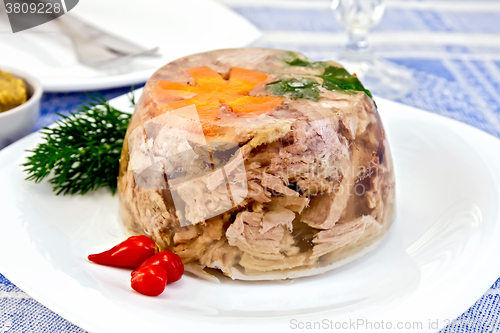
(357,43)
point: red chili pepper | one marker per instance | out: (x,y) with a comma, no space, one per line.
(149,280)
(129,253)
(170,262)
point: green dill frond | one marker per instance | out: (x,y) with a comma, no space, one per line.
(81,153)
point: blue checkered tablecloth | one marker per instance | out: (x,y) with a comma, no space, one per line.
(452,48)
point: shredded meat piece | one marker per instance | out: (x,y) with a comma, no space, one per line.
(325,210)
(245,233)
(279,216)
(201,203)
(262,234)
(340,235)
(259,264)
(221,255)
(275,184)
(296,204)
(257,192)
(186,234)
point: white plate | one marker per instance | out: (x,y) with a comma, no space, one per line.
(437,260)
(178,28)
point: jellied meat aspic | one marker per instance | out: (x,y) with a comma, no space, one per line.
(257,162)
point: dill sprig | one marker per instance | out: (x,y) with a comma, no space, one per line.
(81,153)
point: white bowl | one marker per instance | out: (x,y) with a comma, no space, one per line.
(21,120)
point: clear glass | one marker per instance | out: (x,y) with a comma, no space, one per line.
(382,77)
(294,187)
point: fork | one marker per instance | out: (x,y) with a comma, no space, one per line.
(93,54)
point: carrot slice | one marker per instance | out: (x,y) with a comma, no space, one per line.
(206,77)
(256,105)
(206,98)
(176,105)
(212,89)
(169,85)
(244,80)
(208,112)
(162,95)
